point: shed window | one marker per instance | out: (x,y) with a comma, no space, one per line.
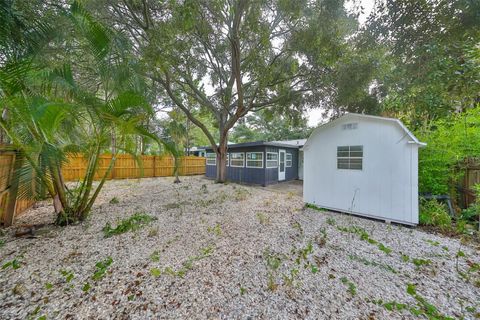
(228,159)
(288,160)
(254,159)
(350,157)
(272,160)
(237,159)
(211,159)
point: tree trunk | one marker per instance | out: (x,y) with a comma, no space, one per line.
(222,159)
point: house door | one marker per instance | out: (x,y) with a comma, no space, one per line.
(281,165)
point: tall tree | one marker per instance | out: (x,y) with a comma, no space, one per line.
(433,56)
(229,58)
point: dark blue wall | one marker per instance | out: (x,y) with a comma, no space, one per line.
(261,176)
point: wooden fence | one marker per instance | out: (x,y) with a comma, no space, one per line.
(126,167)
(470,179)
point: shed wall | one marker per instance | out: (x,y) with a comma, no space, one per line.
(386,187)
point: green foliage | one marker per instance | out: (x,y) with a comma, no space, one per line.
(216,230)
(86,287)
(135,222)
(155,256)
(314,207)
(155,272)
(434,213)
(101,268)
(449,141)
(68,275)
(352,288)
(14,264)
(114,200)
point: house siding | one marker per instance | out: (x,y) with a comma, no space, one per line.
(260,176)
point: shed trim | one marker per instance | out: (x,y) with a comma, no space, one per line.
(413,140)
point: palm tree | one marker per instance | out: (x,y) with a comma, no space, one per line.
(56,111)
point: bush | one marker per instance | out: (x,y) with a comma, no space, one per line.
(434,213)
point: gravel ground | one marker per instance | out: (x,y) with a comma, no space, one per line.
(231,252)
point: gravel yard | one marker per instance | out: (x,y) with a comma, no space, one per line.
(230,252)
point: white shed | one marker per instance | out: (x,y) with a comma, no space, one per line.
(364,165)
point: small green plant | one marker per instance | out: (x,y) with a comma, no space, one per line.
(367,262)
(155,272)
(352,288)
(383,248)
(433,243)
(14,264)
(101,268)
(114,200)
(241,194)
(423,306)
(2,243)
(314,207)
(434,213)
(297,226)
(68,275)
(217,230)
(155,256)
(263,218)
(421,262)
(405,258)
(203,188)
(86,287)
(132,223)
(331,221)
(289,279)
(242,290)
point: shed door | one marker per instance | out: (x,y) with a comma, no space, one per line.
(281,165)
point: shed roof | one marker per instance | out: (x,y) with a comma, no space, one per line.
(365,116)
(282,144)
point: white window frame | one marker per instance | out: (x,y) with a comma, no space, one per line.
(228,159)
(287,155)
(350,157)
(256,160)
(276,160)
(243,160)
(214,159)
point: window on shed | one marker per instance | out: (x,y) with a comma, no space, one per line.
(288,160)
(228,159)
(350,157)
(272,160)
(237,159)
(211,159)
(254,159)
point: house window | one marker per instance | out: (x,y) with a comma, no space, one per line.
(228,159)
(350,157)
(254,159)
(211,159)
(237,159)
(272,160)
(288,160)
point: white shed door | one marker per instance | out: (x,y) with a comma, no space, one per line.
(281,165)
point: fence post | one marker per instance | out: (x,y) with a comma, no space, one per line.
(12,189)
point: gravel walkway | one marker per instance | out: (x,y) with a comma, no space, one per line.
(231,252)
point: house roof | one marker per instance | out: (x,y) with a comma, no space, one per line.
(283,144)
(365,116)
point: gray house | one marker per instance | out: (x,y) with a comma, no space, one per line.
(260,162)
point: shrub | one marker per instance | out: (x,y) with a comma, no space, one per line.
(434,213)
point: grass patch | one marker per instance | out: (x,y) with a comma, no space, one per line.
(314,207)
(14,264)
(135,222)
(352,288)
